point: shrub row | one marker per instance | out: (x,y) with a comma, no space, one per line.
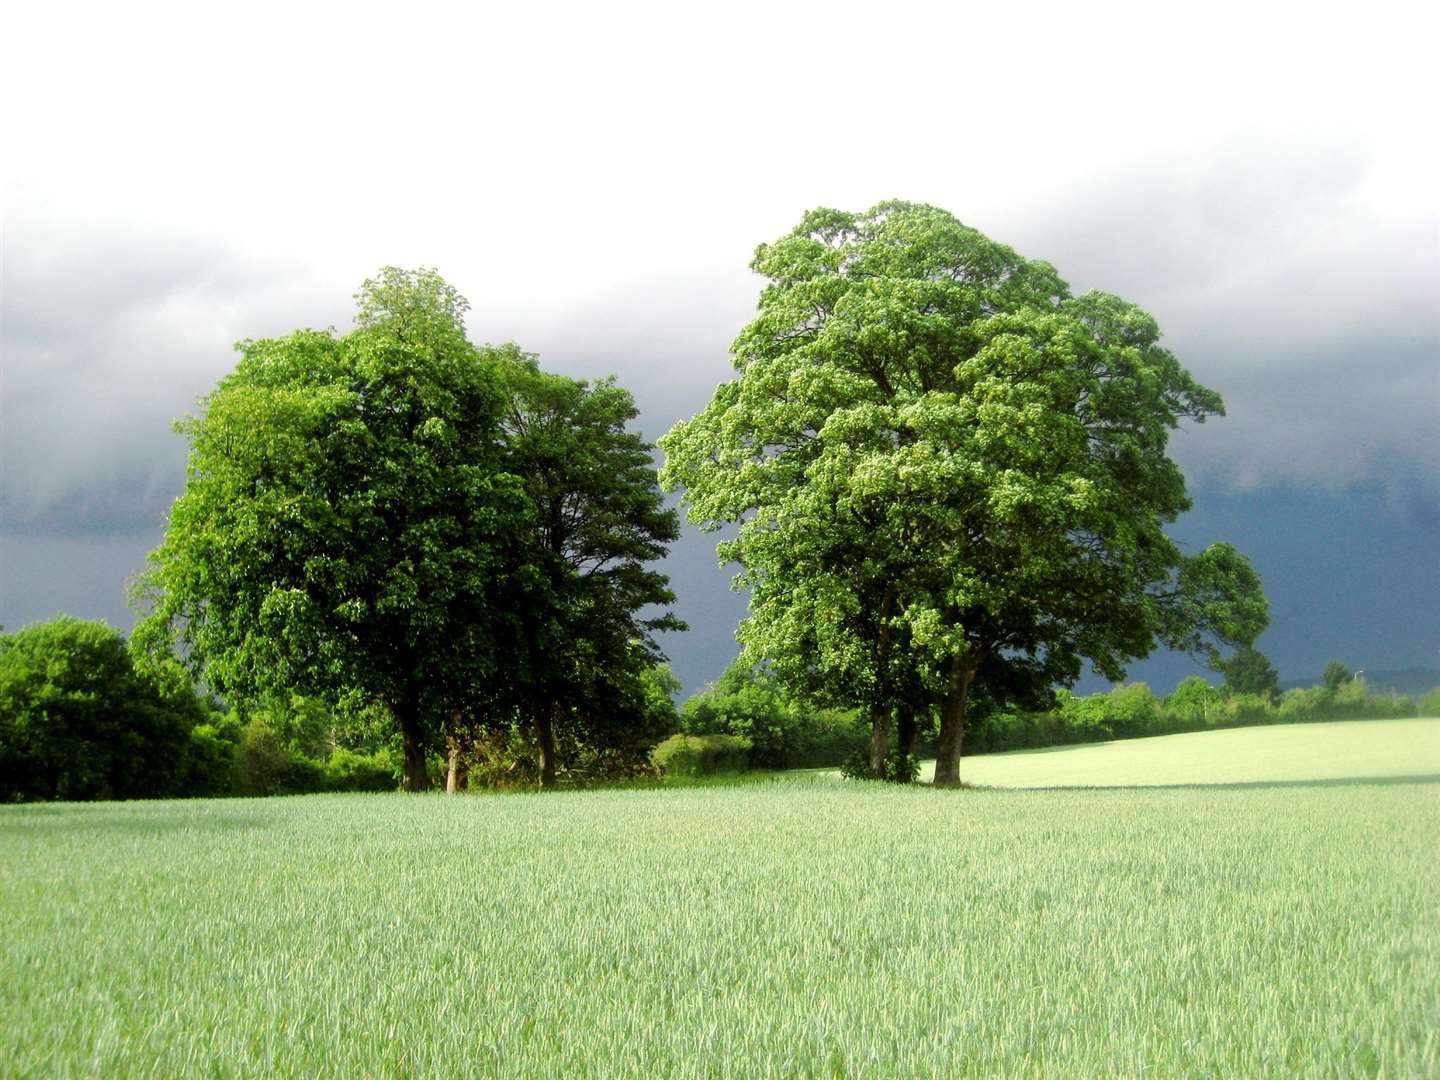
(80,720)
(254,759)
(746,703)
(702,755)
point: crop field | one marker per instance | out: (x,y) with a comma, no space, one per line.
(1289,924)
(1283,753)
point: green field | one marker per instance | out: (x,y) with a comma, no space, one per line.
(1282,753)
(1275,911)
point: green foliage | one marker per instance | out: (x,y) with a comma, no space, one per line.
(302,725)
(1429,705)
(265,765)
(750,702)
(209,768)
(78,721)
(658,687)
(1124,712)
(1336,674)
(1194,702)
(702,755)
(266,760)
(899,768)
(948,472)
(1353,700)
(1248,673)
(345,770)
(1242,708)
(605,739)
(584,654)
(347,529)
(1132,711)
(401,526)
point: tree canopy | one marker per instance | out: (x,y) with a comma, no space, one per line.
(950,475)
(1249,671)
(1336,674)
(586,644)
(361,523)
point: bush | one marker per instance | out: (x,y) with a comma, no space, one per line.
(1311,703)
(1336,674)
(1125,712)
(1006,730)
(1129,711)
(899,768)
(1429,705)
(702,755)
(78,721)
(264,765)
(1193,704)
(1240,709)
(348,771)
(304,725)
(783,733)
(209,767)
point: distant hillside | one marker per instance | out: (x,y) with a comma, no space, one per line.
(1412,681)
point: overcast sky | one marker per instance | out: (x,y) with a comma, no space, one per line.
(1263,181)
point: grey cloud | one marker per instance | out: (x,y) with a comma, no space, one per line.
(44,575)
(1275,284)
(1165,224)
(1345,415)
(106,338)
(665,338)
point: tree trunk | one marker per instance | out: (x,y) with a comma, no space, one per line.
(880,707)
(545,734)
(416,776)
(906,729)
(952,723)
(458,776)
(879,739)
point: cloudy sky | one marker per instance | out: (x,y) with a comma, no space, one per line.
(1261,179)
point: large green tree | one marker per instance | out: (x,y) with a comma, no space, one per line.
(950,475)
(348,529)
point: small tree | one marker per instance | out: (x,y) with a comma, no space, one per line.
(1248,671)
(1336,675)
(1193,701)
(746,701)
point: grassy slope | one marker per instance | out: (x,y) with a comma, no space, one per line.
(1288,752)
(802,927)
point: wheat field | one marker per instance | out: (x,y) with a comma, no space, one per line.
(1128,909)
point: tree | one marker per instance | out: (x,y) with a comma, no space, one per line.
(585,647)
(1248,671)
(1336,675)
(348,530)
(950,475)
(78,721)
(1193,700)
(745,701)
